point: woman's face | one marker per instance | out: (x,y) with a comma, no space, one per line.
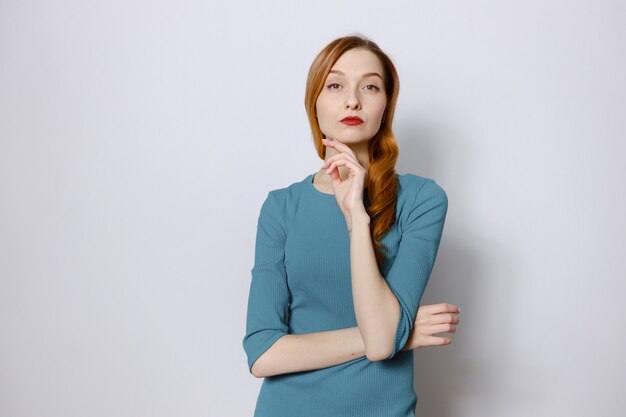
(352,88)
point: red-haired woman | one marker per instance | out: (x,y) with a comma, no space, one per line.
(343,257)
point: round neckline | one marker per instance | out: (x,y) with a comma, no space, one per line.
(314,189)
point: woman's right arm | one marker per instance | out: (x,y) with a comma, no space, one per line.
(306,352)
(270,349)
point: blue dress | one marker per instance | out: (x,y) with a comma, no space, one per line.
(301,283)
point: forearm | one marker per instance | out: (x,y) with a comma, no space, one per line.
(305,352)
(376,308)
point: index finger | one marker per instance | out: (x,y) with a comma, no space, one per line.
(442,308)
(338,145)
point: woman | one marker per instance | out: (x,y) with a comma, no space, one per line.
(343,257)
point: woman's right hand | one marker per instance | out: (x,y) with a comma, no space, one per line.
(432,319)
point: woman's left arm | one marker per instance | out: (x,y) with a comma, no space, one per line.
(386,307)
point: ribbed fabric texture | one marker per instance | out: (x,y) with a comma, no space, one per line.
(301,283)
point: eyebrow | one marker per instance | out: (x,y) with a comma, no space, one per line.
(363,76)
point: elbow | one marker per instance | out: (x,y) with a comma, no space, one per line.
(379,355)
(380,352)
(258,346)
(262,368)
(385,345)
(256,370)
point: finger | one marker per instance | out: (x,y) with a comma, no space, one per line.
(341,154)
(342,147)
(335,178)
(333,171)
(353,168)
(441,328)
(442,318)
(334,164)
(435,341)
(441,308)
(333,158)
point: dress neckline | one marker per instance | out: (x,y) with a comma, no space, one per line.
(326,196)
(312,187)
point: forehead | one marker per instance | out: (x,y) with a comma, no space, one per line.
(356,62)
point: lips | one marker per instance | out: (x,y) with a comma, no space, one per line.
(351,120)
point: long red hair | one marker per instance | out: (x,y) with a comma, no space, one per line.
(382,183)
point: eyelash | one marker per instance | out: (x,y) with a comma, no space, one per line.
(375,86)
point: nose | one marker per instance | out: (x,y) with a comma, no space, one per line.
(352,101)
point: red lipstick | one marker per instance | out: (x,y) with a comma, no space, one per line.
(352,120)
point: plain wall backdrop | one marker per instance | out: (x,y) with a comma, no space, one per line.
(138,140)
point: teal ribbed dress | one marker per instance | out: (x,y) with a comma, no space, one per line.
(301,283)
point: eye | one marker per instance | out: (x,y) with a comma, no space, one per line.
(330,85)
(376,88)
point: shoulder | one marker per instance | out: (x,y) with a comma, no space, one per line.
(420,198)
(285,196)
(415,188)
(280,204)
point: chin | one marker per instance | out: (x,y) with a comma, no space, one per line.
(350,136)
(355,137)
(354,141)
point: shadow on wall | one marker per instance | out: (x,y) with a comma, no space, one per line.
(446,376)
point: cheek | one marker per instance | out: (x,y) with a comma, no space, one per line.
(377,110)
(381,108)
(322,104)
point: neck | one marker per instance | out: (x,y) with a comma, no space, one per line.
(361,151)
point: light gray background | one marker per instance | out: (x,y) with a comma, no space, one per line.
(139,139)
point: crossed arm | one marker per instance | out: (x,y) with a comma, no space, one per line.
(376,307)
(385,308)
(306,352)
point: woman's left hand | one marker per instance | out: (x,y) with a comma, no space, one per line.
(348,191)
(430,320)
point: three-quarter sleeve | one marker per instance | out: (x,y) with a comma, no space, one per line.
(268,299)
(409,274)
